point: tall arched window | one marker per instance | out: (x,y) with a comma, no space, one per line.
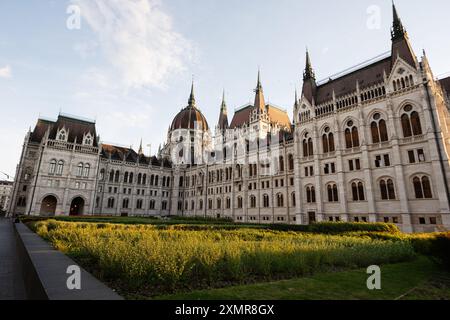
(228,203)
(144,179)
(117,176)
(52,168)
(310,194)
(387,189)
(291,162)
(410,122)
(328,141)
(332,191)
(80,170)
(130,178)
(200,204)
(266,203)
(125,203)
(62,136)
(358,191)
(139,179)
(351,135)
(86,170)
(111,176)
(252,202)
(293,199)
(281,161)
(102,174)
(239,202)
(422,188)
(60,168)
(280,200)
(308,148)
(379,129)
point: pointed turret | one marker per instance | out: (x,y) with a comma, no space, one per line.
(296,100)
(141,151)
(191,102)
(309,80)
(223,117)
(260,103)
(401,47)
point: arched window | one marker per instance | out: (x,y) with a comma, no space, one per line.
(192,205)
(310,194)
(125,203)
(52,168)
(291,162)
(164,205)
(228,203)
(422,188)
(332,191)
(86,170)
(111,203)
(387,189)
(60,168)
(351,135)
(62,136)
(125,177)
(219,203)
(80,170)
(328,141)
(252,202)
(139,179)
(117,176)
(358,191)
(111,176)
(266,202)
(200,204)
(308,148)
(379,129)
(144,179)
(293,200)
(281,161)
(280,200)
(239,202)
(410,122)
(152,205)
(102,174)
(130,178)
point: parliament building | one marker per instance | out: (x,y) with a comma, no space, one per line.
(371,144)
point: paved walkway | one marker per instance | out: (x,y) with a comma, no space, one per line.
(11,282)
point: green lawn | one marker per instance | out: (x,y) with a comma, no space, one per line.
(420,279)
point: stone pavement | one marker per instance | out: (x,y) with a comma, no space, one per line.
(11,282)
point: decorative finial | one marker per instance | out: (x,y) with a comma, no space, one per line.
(398,31)
(309,72)
(191,101)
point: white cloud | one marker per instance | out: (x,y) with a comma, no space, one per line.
(137,39)
(5,72)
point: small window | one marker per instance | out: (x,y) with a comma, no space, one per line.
(422,220)
(433,220)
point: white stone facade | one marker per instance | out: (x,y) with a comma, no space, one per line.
(372,150)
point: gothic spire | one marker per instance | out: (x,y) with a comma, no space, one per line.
(309,80)
(309,71)
(223,117)
(191,102)
(141,151)
(296,99)
(260,103)
(398,31)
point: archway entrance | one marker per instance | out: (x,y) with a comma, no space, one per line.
(77,207)
(48,206)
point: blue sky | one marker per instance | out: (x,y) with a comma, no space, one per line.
(130,64)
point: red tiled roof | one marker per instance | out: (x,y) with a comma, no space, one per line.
(277,116)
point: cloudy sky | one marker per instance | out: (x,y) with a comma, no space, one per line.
(128,63)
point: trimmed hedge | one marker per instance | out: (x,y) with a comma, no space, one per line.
(199,224)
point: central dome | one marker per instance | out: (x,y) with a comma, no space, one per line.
(190,117)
